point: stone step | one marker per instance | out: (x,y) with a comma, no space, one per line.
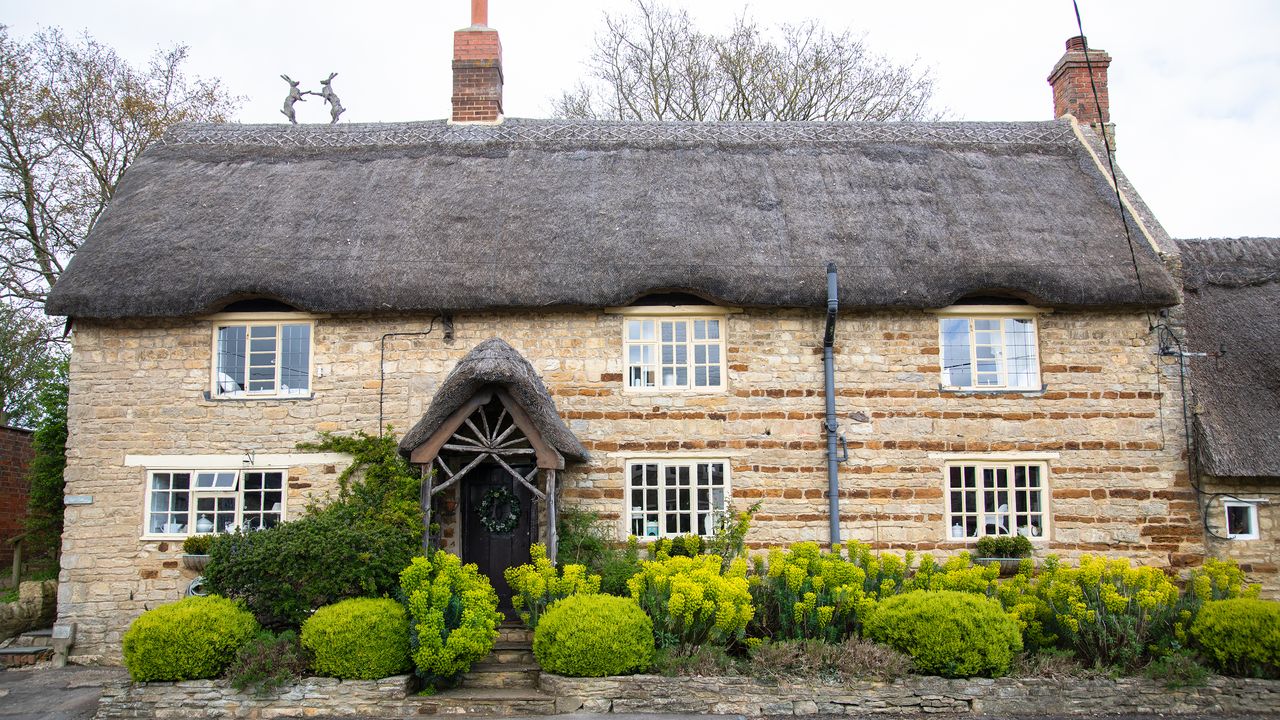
(489,674)
(12,657)
(515,634)
(485,702)
(511,653)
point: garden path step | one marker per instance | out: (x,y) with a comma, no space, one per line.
(485,702)
(11,657)
(496,674)
(35,638)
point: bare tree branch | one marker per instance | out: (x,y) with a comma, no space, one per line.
(654,64)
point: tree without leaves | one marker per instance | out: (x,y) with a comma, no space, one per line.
(653,64)
(73,116)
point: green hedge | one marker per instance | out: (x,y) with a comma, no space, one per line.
(948,633)
(1241,637)
(192,638)
(594,636)
(358,639)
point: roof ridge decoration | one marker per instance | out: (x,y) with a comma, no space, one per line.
(641,133)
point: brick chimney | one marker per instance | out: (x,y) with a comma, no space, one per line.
(477,70)
(1072,91)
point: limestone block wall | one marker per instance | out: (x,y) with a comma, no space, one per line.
(1108,426)
(1260,558)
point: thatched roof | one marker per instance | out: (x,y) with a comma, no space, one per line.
(495,363)
(1233,313)
(535,213)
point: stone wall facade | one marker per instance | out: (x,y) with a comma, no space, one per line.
(15,459)
(1108,426)
(390,698)
(1260,558)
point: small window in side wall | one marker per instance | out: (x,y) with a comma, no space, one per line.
(262,359)
(674,353)
(989,352)
(1242,520)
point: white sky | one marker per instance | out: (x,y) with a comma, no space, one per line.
(1195,85)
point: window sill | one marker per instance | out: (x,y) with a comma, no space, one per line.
(256,398)
(675,392)
(973,392)
(166,538)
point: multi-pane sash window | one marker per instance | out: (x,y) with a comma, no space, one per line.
(674,353)
(263,359)
(675,497)
(996,499)
(213,501)
(989,353)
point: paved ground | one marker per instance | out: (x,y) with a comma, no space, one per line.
(48,693)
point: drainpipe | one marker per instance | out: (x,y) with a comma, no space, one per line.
(831,426)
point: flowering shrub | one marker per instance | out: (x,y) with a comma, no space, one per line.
(808,594)
(1109,612)
(453,616)
(678,546)
(538,585)
(1219,580)
(691,601)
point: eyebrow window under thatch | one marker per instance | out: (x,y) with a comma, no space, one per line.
(262,359)
(989,353)
(674,353)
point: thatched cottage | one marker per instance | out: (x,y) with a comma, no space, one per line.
(629,318)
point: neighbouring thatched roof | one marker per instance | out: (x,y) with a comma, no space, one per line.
(540,213)
(1233,313)
(494,362)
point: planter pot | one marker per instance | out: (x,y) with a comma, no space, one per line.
(195,562)
(1008,566)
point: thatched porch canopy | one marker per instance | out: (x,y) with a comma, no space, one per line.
(1233,315)
(492,367)
(351,218)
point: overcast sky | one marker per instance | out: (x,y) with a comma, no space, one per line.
(1195,86)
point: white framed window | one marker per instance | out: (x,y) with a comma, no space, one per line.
(261,358)
(675,496)
(996,498)
(989,348)
(674,353)
(198,502)
(1242,519)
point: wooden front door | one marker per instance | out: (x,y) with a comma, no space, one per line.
(494,552)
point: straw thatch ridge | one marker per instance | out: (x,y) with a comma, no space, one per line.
(495,363)
(421,217)
(1233,313)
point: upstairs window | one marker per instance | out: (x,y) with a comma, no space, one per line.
(989,352)
(675,353)
(262,359)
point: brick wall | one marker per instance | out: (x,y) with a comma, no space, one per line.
(15,457)
(1109,425)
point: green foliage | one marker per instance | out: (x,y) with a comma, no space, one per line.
(729,537)
(809,594)
(354,547)
(537,586)
(948,633)
(1004,546)
(44,501)
(31,359)
(358,639)
(584,540)
(268,663)
(1219,580)
(619,566)
(594,636)
(197,637)
(197,544)
(679,546)
(852,659)
(692,601)
(453,615)
(1240,636)
(1178,669)
(1110,613)
(698,661)
(285,572)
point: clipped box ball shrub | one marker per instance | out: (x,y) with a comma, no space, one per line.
(453,615)
(358,639)
(948,633)
(193,638)
(594,636)
(1241,636)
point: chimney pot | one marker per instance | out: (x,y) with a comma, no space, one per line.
(480,13)
(1076,44)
